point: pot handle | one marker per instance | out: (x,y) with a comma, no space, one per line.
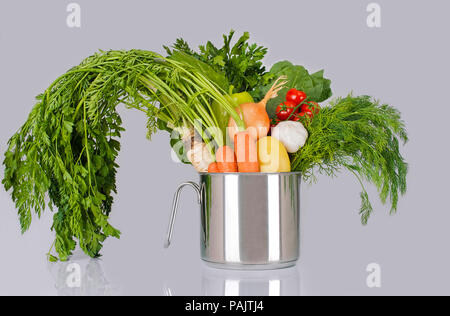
(173,213)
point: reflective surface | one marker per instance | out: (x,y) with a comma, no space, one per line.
(81,276)
(219,282)
(224,282)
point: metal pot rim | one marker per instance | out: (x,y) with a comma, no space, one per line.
(251,173)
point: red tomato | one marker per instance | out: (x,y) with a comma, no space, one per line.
(296,117)
(284,110)
(311,107)
(315,106)
(302,117)
(295,96)
(309,114)
(305,114)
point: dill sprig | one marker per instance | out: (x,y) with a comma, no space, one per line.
(362,136)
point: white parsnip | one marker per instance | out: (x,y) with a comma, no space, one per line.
(197,152)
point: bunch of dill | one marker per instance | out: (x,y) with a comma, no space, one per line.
(362,136)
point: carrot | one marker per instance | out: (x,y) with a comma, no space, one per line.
(246,152)
(226,161)
(212,168)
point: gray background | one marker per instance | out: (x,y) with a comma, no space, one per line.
(404,63)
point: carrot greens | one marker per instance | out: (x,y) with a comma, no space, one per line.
(68,146)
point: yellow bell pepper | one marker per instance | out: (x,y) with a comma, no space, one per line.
(272,155)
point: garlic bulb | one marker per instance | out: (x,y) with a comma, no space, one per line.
(291,134)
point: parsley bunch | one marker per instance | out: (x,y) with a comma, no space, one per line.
(241,63)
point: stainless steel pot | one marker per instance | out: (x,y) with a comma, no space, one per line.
(248,220)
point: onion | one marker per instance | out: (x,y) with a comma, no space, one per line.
(255,115)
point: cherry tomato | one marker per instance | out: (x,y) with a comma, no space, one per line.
(284,110)
(309,114)
(302,117)
(296,117)
(315,106)
(311,107)
(306,114)
(295,96)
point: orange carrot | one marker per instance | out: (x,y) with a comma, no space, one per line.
(212,168)
(226,161)
(246,152)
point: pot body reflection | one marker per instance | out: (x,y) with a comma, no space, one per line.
(219,282)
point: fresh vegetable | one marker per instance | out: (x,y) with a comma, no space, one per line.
(272,155)
(297,117)
(226,160)
(197,152)
(242,98)
(285,109)
(222,115)
(240,63)
(292,135)
(212,74)
(305,116)
(213,168)
(246,152)
(66,151)
(200,156)
(315,86)
(254,114)
(310,108)
(362,136)
(295,96)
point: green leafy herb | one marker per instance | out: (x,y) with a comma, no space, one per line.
(362,136)
(240,63)
(68,146)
